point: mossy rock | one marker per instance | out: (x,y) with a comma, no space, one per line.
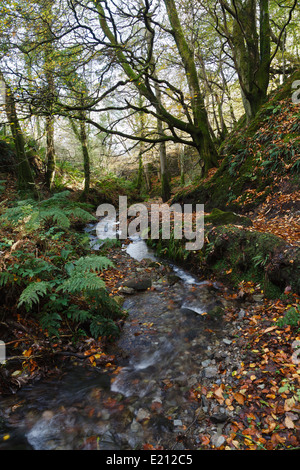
(236,254)
(218,217)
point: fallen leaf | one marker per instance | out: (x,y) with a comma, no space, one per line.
(239,397)
(288,423)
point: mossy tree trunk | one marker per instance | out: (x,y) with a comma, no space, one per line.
(50,152)
(141,117)
(165,180)
(86,158)
(81,135)
(201,136)
(250,42)
(49,68)
(252,53)
(25,177)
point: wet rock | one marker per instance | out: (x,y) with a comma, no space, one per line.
(216,312)
(227,341)
(119,299)
(138,284)
(160,423)
(136,427)
(172,279)
(108,442)
(206,363)
(220,355)
(218,418)
(218,440)
(241,314)
(210,372)
(126,290)
(142,415)
(47,415)
(177,422)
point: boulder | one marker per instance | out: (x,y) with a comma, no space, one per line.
(138,284)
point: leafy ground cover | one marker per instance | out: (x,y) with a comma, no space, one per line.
(263,392)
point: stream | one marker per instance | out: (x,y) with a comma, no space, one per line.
(166,340)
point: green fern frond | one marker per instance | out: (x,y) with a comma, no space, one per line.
(81,214)
(92,263)
(51,322)
(101,326)
(58,216)
(76,314)
(5,277)
(79,282)
(32,293)
(59,208)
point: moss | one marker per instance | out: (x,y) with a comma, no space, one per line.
(237,255)
(218,217)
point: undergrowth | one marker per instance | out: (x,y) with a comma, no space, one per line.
(49,273)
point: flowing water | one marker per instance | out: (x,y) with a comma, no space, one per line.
(165,339)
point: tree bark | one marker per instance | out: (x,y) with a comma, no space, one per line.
(50,152)
(251,48)
(81,135)
(201,136)
(86,158)
(25,177)
(49,66)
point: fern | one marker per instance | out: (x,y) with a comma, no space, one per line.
(51,322)
(76,314)
(101,326)
(92,263)
(81,282)
(59,217)
(32,293)
(59,208)
(5,277)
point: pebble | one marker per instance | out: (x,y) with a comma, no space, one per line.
(210,372)
(227,341)
(142,415)
(136,427)
(47,415)
(177,422)
(218,440)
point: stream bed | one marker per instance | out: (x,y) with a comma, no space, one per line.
(168,346)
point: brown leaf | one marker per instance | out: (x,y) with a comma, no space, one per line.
(288,423)
(239,397)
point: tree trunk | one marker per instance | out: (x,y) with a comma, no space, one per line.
(81,135)
(50,152)
(86,158)
(251,52)
(165,181)
(201,137)
(49,67)
(141,117)
(25,177)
